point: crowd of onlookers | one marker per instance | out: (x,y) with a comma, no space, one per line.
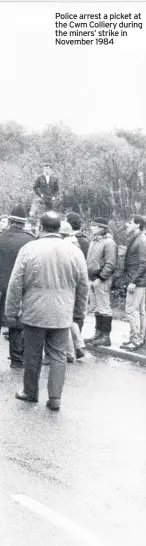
(51,274)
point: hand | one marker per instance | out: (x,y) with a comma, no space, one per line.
(79,321)
(96,282)
(12,322)
(131,287)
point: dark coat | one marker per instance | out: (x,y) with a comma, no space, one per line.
(10,243)
(135,260)
(82,241)
(47,190)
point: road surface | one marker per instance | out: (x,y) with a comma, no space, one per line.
(77,477)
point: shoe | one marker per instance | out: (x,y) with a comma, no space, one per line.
(133,346)
(53,404)
(70,359)
(104,340)
(125,344)
(96,336)
(6,335)
(141,344)
(25,397)
(79,353)
(16,364)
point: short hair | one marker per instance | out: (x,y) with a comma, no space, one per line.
(50,221)
(138,219)
(74,220)
(46,165)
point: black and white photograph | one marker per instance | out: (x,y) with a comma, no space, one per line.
(72,273)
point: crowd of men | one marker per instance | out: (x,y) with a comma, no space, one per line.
(49,276)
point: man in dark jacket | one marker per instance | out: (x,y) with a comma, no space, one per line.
(10,243)
(46,188)
(135,268)
(75,221)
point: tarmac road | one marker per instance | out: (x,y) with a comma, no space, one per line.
(77,477)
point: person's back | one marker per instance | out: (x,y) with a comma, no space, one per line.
(53,271)
(10,243)
(50,279)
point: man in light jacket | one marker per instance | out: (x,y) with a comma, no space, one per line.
(50,279)
(101,263)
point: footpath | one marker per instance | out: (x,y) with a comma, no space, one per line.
(119,334)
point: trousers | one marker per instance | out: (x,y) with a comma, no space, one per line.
(135,310)
(100,297)
(75,340)
(39,206)
(56,341)
(16,344)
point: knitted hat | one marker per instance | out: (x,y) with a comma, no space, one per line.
(18,214)
(66,228)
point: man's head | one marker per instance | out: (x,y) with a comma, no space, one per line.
(74,220)
(136,223)
(99,226)
(18,216)
(50,222)
(47,168)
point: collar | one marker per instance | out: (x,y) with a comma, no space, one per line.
(46,235)
(134,236)
(16,228)
(102,237)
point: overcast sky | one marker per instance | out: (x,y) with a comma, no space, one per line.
(88,88)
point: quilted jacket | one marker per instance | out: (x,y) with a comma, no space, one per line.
(50,278)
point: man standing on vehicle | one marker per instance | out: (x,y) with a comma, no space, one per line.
(46,188)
